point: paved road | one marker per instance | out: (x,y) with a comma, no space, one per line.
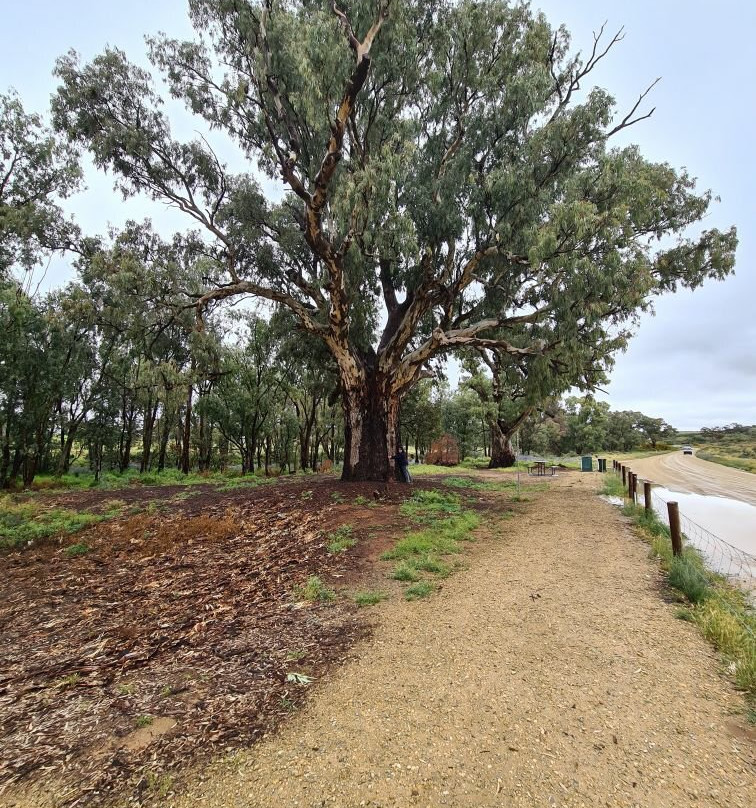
(689,474)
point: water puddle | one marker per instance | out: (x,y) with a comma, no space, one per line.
(731,520)
(723,530)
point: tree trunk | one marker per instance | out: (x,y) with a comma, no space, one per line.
(371,430)
(150,415)
(502,453)
(185,444)
(165,435)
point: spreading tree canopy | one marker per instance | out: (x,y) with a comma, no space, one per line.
(37,171)
(450,179)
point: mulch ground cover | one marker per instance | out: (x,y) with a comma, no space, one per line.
(179,635)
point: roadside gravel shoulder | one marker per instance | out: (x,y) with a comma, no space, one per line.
(551,672)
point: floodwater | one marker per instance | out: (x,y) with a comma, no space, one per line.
(717,508)
(728,519)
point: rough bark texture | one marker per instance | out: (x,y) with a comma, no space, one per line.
(371,425)
(502,453)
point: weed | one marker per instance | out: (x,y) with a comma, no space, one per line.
(688,578)
(79,549)
(419,590)
(144,721)
(314,590)
(685,614)
(340,539)
(306,495)
(295,655)
(434,566)
(288,704)
(22,524)
(125,688)
(478,485)
(369,598)
(166,691)
(360,500)
(425,506)
(70,680)
(406,571)
(159,784)
(338,497)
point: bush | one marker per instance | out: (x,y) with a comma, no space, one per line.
(687,577)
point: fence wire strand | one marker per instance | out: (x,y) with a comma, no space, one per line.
(719,556)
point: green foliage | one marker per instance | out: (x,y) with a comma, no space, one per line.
(460,170)
(720,611)
(23,523)
(688,577)
(405,571)
(77,550)
(315,590)
(144,721)
(369,598)
(419,590)
(426,506)
(340,539)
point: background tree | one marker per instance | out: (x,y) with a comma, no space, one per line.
(462,185)
(37,171)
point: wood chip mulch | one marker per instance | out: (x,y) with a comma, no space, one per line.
(168,643)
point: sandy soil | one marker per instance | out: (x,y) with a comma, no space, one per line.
(689,474)
(550,673)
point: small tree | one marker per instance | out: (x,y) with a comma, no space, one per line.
(438,164)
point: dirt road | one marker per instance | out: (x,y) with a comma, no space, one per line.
(689,474)
(550,673)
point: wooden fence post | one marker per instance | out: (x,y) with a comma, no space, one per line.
(674,528)
(624,476)
(647,494)
(630,485)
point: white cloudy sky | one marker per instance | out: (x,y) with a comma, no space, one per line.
(694,363)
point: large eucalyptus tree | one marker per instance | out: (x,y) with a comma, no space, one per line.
(449,175)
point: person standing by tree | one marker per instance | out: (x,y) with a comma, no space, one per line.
(402,463)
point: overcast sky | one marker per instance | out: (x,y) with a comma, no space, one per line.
(694,363)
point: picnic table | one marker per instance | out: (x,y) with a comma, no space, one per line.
(539,468)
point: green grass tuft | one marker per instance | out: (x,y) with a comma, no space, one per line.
(419,590)
(315,590)
(340,539)
(369,598)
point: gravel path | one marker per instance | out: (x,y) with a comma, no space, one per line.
(550,673)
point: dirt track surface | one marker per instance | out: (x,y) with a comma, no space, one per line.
(691,475)
(550,673)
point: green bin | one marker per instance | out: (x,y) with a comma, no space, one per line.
(586,463)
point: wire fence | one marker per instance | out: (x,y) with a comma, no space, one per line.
(719,556)
(738,566)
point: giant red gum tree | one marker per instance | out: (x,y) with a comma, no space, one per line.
(443,180)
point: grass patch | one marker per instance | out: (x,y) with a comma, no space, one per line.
(369,598)
(613,486)
(419,590)
(720,611)
(75,550)
(428,506)
(687,577)
(406,571)
(144,721)
(24,523)
(440,538)
(340,539)
(315,590)
(479,485)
